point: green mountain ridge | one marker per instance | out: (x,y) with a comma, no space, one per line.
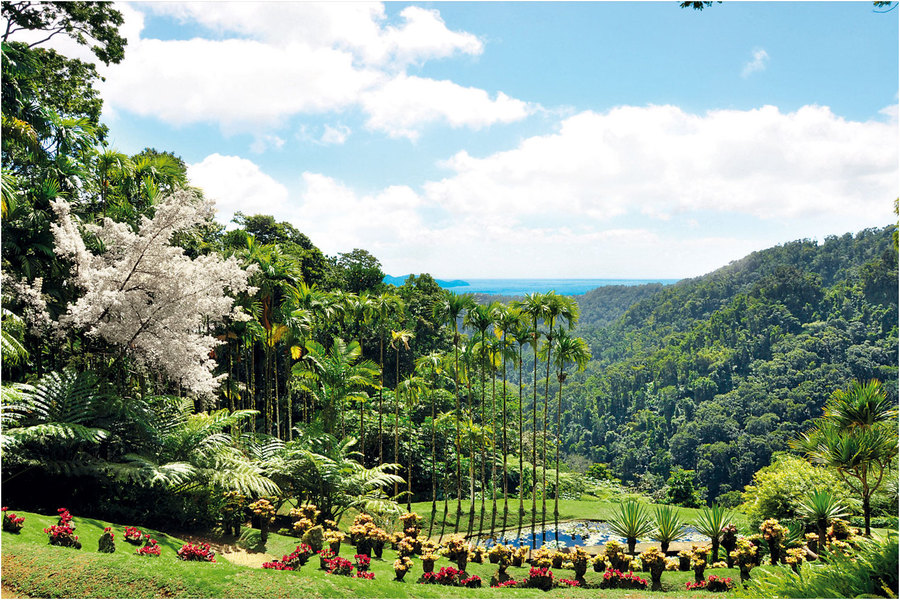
(717,372)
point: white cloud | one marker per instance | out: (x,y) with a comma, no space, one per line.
(265,141)
(238,184)
(335,135)
(262,63)
(403,105)
(758,63)
(661,161)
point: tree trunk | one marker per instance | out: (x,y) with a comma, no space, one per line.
(561,377)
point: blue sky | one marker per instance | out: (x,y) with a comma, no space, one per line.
(587,139)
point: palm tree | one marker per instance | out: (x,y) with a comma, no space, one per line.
(385,306)
(362,309)
(410,387)
(480,319)
(507,319)
(449,310)
(561,307)
(338,374)
(820,507)
(535,307)
(432,362)
(522,335)
(568,350)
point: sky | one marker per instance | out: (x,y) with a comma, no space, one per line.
(537,139)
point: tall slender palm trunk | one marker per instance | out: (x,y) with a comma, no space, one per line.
(471,462)
(534,444)
(544,454)
(433,459)
(505,446)
(493,449)
(561,377)
(483,450)
(521,452)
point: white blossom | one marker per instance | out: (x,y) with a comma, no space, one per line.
(34,306)
(145,296)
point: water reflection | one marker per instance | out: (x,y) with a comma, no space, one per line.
(572,533)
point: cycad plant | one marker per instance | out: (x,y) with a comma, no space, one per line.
(820,507)
(711,522)
(631,521)
(669,526)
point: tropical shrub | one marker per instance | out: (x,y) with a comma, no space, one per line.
(473,581)
(150,548)
(133,535)
(599,562)
(712,522)
(615,579)
(299,557)
(201,552)
(265,512)
(457,550)
(712,584)
(63,533)
(778,489)
(339,566)
(655,562)
(745,557)
(542,558)
(362,562)
(630,521)
(402,566)
(277,565)
(668,526)
(11,522)
(615,556)
(539,577)
(729,541)
(870,573)
(580,560)
(773,532)
(107,542)
(325,554)
(233,504)
(365,574)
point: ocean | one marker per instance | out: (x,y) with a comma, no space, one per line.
(520,287)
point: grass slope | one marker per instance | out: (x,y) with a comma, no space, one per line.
(31,566)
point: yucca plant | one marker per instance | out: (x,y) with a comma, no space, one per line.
(820,507)
(711,522)
(631,521)
(669,526)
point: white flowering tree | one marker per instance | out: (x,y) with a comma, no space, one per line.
(145,297)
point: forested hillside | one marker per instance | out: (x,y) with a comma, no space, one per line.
(716,373)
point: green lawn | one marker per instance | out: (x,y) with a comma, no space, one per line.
(32,567)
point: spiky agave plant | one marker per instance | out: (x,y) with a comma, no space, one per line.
(820,507)
(668,526)
(711,522)
(631,521)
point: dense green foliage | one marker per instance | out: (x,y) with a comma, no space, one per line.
(716,373)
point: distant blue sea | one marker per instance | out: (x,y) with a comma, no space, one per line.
(520,287)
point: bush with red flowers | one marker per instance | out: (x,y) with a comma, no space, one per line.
(63,534)
(133,535)
(711,584)
(616,579)
(11,522)
(277,565)
(471,582)
(150,547)
(541,578)
(446,576)
(365,575)
(569,582)
(298,557)
(339,566)
(201,552)
(362,562)
(509,583)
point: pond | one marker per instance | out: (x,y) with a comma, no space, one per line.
(573,533)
